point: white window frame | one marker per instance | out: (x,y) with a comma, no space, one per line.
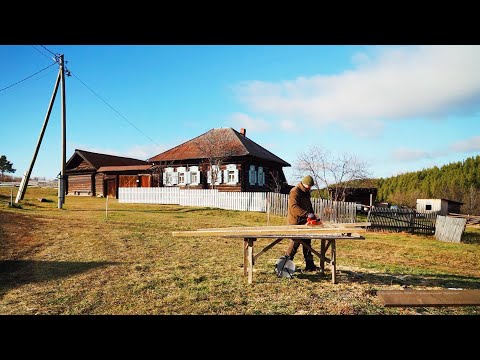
(227,172)
(194,177)
(219,174)
(194,170)
(174,178)
(181,178)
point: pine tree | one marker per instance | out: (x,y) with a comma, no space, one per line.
(6,166)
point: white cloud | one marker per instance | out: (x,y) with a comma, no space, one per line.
(373,129)
(361,59)
(412,155)
(406,154)
(472,144)
(390,84)
(144,152)
(289,125)
(240,120)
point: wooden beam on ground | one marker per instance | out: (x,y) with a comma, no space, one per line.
(406,298)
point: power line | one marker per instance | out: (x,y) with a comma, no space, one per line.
(140,131)
(49,58)
(49,51)
(28,77)
(19,87)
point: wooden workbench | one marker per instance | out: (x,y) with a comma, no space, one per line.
(328,233)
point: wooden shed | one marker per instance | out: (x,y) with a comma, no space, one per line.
(439,206)
(94,174)
(245,165)
(365,196)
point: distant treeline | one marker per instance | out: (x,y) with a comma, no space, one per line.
(458,181)
(9,178)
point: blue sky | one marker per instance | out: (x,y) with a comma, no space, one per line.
(398,108)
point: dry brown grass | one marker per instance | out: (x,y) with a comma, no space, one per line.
(75,261)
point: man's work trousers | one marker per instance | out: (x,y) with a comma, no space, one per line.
(293,247)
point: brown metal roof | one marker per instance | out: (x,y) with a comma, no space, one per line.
(97,160)
(243,146)
(124,168)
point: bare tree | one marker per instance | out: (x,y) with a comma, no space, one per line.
(275,185)
(157,172)
(334,173)
(471,200)
(216,146)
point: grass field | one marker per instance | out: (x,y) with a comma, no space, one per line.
(78,261)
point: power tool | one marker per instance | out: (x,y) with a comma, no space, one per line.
(312,220)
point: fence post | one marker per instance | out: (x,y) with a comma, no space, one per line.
(267,199)
(412,222)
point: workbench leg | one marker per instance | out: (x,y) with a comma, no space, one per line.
(322,258)
(250,260)
(333,261)
(245,254)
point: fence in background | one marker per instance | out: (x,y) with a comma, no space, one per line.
(272,203)
(397,220)
(327,210)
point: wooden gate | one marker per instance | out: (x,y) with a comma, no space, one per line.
(111,188)
(145,180)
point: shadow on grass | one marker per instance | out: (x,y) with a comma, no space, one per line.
(15,273)
(437,280)
(313,276)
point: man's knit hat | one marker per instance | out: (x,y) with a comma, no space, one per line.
(307,180)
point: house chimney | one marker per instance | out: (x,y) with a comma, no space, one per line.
(243,132)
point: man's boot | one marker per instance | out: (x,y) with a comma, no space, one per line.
(310,266)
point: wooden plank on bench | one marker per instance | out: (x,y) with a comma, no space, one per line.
(258,232)
(407,298)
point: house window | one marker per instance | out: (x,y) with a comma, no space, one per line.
(181,178)
(261,176)
(231,176)
(194,177)
(252,175)
(167,179)
(428,207)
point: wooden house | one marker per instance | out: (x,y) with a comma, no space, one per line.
(224,159)
(439,206)
(94,174)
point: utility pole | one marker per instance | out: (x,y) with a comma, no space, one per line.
(61,180)
(26,175)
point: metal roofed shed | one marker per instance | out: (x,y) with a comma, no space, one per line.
(439,206)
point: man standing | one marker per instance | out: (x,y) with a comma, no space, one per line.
(299,210)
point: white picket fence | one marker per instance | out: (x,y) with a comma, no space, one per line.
(273,203)
(326,210)
(243,201)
